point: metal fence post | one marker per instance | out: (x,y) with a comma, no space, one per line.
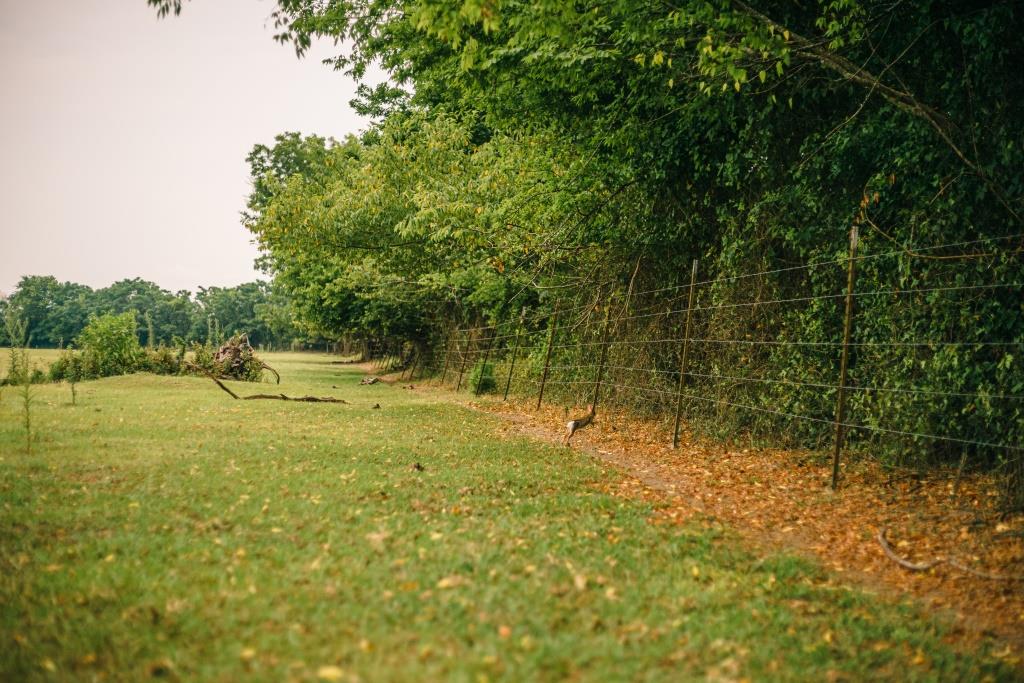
(604,356)
(465,355)
(415,362)
(447,356)
(847,325)
(685,353)
(483,368)
(403,365)
(547,357)
(515,352)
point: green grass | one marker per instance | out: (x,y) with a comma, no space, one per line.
(162,529)
(37,358)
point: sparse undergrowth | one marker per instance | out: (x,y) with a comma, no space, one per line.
(149,536)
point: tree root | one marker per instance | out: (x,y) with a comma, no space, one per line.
(276,397)
(925,566)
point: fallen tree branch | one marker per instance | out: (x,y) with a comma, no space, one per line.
(907,564)
(267,367)
(924,566)
(985,575)
(275,397)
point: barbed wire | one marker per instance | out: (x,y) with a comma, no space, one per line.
(797,416)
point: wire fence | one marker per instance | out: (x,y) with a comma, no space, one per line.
(710,350)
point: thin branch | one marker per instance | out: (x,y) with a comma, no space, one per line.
(952,562)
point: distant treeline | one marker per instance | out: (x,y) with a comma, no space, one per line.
(57,312)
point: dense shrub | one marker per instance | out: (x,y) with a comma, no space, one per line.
(110,346)
(162,361)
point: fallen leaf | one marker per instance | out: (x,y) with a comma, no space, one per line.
(330,673)
(453,581)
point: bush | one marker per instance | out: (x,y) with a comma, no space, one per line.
(16,368)
(202,358)
(110,346)
(59,368)
(162,361)
(481,379)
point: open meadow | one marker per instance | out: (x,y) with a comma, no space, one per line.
(161,529)
(37,358)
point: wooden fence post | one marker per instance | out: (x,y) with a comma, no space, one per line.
(847,325)
(515,352)
(685,353)
(547,357)
(487,355)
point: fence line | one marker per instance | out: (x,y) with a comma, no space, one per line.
(833,262)
(563,353)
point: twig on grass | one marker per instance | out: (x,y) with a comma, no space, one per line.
(925,566)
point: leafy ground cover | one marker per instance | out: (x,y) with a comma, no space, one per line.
(161,529)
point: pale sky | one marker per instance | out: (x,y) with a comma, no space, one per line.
(123,137)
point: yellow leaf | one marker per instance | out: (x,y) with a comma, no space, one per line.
(453,581)
(330,673)
(247,653)
(48,665)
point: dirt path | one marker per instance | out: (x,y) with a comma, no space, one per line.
(781,500)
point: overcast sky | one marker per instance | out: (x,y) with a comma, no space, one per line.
(124,137)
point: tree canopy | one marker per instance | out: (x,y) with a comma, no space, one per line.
(56,312)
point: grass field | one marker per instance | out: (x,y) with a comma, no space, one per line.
(38,358)
(161,529)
